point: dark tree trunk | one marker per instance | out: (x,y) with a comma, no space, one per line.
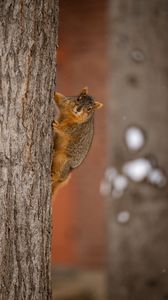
(138,250)
(28,48)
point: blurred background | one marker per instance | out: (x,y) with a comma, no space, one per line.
(110,222)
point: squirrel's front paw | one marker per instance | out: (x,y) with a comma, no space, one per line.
(55,124)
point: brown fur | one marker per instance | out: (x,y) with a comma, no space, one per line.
(73,134)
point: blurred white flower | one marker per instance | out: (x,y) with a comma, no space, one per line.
(123,217)
(110,174)
(134,138)
(138,169)
(105,188)
(157,177)
(120,183)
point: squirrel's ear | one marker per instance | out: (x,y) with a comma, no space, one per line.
(84,91)
(97,105)
(58,97)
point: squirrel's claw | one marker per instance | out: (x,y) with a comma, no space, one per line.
(55,124)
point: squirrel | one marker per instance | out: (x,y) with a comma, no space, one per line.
(73,134)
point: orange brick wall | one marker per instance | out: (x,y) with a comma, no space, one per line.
(79,229)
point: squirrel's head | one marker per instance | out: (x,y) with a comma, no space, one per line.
(81,107)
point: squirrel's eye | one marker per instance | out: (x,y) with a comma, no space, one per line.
(89,109)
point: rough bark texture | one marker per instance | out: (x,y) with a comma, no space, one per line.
(138,250)
(28,48)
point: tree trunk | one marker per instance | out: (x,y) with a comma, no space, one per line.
(28,40)
(138,222)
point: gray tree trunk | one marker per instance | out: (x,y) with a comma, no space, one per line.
(28,48)
(138,247)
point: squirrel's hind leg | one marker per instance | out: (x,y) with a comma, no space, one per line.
(60,173)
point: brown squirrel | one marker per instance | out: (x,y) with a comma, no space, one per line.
(73,134)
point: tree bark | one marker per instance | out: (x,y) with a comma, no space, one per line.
(28,48)
(138,247)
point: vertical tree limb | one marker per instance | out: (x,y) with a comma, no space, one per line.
(138,249)
(28,47)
